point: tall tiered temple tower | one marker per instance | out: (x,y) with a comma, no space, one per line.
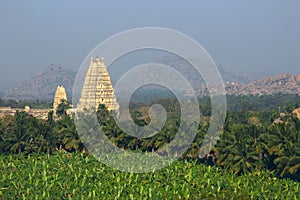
(60,95)
(97,88)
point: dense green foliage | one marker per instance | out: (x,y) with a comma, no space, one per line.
(250,146)
(65,176)
(236,103)
(245,145)
(21,104)
(281,102)
(62,108)
(27,134)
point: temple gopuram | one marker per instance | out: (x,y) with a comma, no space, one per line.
(60,96)
(97,88)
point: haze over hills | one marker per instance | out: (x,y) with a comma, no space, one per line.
(192,75)
(1,91)
(281,83)
(43,85)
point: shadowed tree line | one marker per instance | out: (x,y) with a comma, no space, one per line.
(21,104)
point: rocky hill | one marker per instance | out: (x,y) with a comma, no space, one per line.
(192,75)
(43,85)
(282,83)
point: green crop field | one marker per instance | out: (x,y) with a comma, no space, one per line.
(74,176)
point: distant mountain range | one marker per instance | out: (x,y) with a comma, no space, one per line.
(43,85)
(192,75)
(281,83)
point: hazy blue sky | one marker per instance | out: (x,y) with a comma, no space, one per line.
(242,36)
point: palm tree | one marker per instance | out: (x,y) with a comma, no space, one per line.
(2,128)
(288,166)
(37,141)
(44,139)
(18,138)
(67,134)
(88,129)
(103,114)
(7,127)
(161,137)
(202,147)
(286,148)
(278,141)
(236,151)
(62,108)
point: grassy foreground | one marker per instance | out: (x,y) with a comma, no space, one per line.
(73,176)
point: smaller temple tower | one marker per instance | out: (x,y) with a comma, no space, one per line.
(60,95)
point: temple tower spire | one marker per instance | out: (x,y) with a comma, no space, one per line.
(97,88)
(60,96)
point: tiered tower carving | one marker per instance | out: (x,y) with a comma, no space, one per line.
(97,88)
(60,95)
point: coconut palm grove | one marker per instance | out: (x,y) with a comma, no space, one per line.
(257,155)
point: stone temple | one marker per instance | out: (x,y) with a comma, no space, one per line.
(97,88)
(60,95)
